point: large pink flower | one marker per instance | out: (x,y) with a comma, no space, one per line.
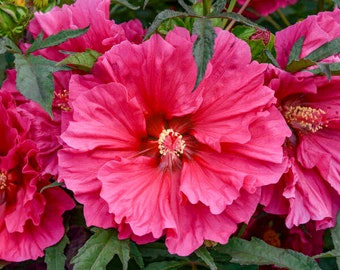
(30,218)
(146,152)
(311,187)
(265,7)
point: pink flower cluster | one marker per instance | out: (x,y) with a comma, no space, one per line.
(147,153)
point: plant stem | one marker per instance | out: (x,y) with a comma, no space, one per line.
(272,22)
(206,7)
(283,17)
(231,5)
(244,6)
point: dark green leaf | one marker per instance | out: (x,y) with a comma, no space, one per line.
(298,65)
(258,252)
(335,232)
(295,52)
(271,58)
(7,45)
(166,265)
(53,184)
(99,250)
(333,67)
(82,60)
(162,16)
(54,255)
(126,4)
(204,45)
(204,254)
(237,17)
(155,251)
(56,39)
(326,50)
(35,80)
(187,8)
(135,253)
(218,7)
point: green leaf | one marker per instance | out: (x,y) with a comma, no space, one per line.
(99,250)
(53,184)
(296,50)
(333,67)
(298,65)
(162,16)
(258,252)
(326,50)
(135,253)
(7,45)
(204,45)
(166,265)
(271,58)
(337,3)
(126,4)
(187,8)
(35,80)
(329,254)
(56,39)
(156,251)
(54,255)
(237,17)
(218,7)
(335,232)
(204,254)
(82,60)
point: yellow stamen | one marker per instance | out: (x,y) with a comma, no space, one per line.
(3,179)
(307,118)
(171,142)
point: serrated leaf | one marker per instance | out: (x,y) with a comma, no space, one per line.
(126,4)
(161,17)
(82,60)
(218,6)
(258,252)
(99,250)
(7,45)
(56,39)
(298,65)
(203,48)
(296,50)
(135,253)
(35,80)
(335,232)
(237,17)
(326,50)
(204,254)
(187,8)
(166,265)
(54,255)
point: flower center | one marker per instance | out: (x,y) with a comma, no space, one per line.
(271,238)
(306,118)
(3,179)
(61,100)
(171,142)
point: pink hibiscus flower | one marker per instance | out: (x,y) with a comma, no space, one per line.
(43,130)
(162,160)
(311,187)
(265,7)
(30,219)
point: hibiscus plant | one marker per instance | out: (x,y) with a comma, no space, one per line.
(173,134)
